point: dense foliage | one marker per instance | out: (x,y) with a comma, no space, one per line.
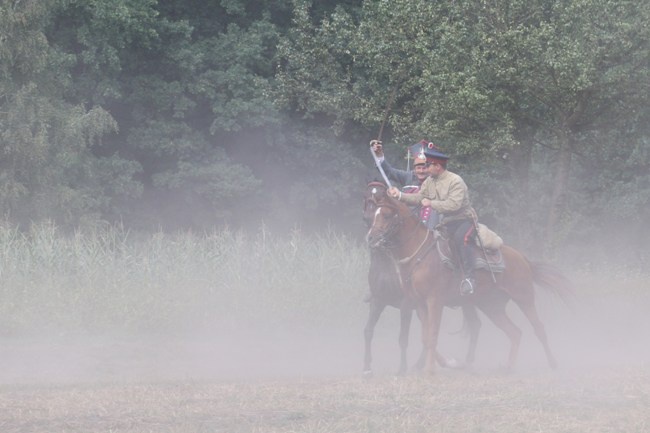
(191,114)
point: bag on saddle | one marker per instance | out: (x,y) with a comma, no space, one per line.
(491,240)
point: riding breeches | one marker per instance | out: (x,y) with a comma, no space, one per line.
(461,233)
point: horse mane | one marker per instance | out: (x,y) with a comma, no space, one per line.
(377,183)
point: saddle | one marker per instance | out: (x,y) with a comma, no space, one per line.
(492,259)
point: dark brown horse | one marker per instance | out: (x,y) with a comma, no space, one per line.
(432,284)
(386,290)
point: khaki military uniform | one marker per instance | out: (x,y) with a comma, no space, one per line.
(448,195)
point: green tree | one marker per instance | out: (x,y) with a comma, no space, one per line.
(48,169)
(515,91)
(550,73)
(179,86)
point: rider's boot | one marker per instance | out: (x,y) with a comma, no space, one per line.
(467,286)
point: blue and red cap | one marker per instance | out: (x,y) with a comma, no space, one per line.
(427,150)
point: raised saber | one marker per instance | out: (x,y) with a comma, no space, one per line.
(391,98)
(380,168)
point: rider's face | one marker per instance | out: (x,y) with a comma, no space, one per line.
(421,171)
(435,169)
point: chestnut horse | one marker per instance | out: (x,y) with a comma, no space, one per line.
(385,290)
(433,285)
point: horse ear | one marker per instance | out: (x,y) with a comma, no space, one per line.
(381,194)
(377,189)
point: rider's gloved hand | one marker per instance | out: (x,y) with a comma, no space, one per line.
(377,147)
(394,192)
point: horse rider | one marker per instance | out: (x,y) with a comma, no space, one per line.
(411,180)
(447,194)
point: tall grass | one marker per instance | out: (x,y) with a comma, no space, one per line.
(109,279)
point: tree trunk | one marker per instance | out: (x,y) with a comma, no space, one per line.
(559,196)
(520,166)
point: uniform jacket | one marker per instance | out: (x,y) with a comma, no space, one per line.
(448,195)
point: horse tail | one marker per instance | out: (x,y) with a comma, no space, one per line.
(552,279)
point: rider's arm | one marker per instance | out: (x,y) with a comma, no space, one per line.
(400,176)
(426,190)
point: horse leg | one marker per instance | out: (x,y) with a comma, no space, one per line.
(406,315)
(530,312)
(470,315)
(376,309)
(419,365)
(424,322)
(496,312)
(442,361)
(434,318)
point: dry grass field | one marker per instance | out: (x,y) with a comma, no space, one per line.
(595,401)
(113,334)
(302,382)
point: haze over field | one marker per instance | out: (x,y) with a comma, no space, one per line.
(604,332)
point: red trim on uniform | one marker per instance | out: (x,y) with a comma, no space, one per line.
(467,235)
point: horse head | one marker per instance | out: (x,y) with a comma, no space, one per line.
(374,191)
(385,217)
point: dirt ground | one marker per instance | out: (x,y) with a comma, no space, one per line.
(293,380)
(608,332)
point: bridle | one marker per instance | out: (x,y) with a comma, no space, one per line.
(393,226)
(376,186)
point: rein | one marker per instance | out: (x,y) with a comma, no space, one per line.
(405,260)
(404,266)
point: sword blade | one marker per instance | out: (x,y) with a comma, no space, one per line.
(380,168)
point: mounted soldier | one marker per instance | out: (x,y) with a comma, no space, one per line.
(446,193)
(383,279)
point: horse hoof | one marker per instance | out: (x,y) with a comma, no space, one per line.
(454,364)
(367,374)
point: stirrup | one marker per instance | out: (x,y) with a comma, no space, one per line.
(467,286)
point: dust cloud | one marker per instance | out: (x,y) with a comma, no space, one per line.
(601,332)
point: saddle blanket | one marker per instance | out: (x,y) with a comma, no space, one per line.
(494,257)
